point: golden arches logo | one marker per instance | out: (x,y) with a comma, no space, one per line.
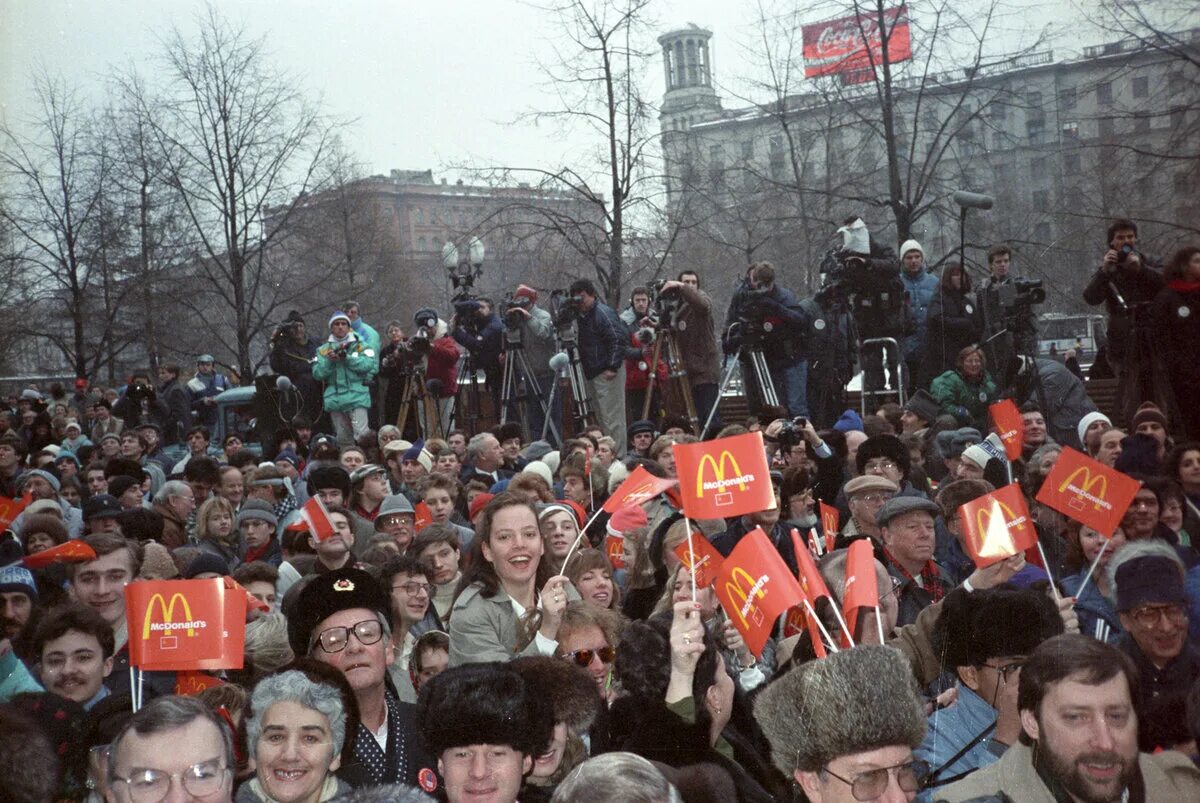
(1083,490)
(744,598)
(720,483)
(168,623)
(646,489)
(1009,521)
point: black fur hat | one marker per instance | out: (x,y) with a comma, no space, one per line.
(888,446)
(974,628)
(326,594)
(322,477)
(569,688)
(484,704)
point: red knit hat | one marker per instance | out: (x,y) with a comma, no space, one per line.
(630,517)
(478,502)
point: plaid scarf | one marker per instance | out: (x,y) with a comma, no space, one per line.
(931,578)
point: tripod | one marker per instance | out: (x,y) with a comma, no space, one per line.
(885,374)
(415,391)
(676,374)
(762,376)
(568,342)
(511,390)
(468,398)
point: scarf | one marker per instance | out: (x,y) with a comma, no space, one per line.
(1183,285)
(257,553)
(930,576)
(328,791)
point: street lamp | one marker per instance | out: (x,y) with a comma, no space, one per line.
(463,266)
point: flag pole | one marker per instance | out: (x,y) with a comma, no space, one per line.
(820,626)
(691,551)
(1092,568)
(133,701)
(582,537)
(1046,565)
(879,624)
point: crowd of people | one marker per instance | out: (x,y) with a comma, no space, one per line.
(466,633)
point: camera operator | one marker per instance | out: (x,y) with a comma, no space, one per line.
(832,354)
(602,349)
(1127,281)
(293,352)
(537,341)
(395,366)
(179,408)
(759,302)
(441,363)
(1009,324)
(642,340)
(346,365)
(140,404)
(697,339)
(480,331)
(639,307)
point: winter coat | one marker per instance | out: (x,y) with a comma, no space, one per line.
(697,337)
(1176,317)
(484,342)
(1166,776)
(1022,327)
(921,289)
(252,792)
(953,728)
(537,341)
(1092,606)
(964,399)
(1061,397)
(346,378)
(783,319)
(174,528)
(1136,286)
(912,598)
(202,387)
(295,361)
(486,629)
(953,323)
(602,340)
(179,411)
(442,365)
(143,411)
(367,334)
(637,369)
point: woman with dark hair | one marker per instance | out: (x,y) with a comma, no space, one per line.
(1093,602)
(966,391)
(680,701)
(1175,313)
(952,323)
(1183,466)
(592,575)
(506,603)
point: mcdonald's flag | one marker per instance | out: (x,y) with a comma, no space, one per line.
(862,587)
(11,508)
(811,581)
(829,519)
(997,526)
(1010,426)
(73,551)
(705,563)
(423,518)
(640,486)
(185,624)
(316,519)
(191,682)
(1088,491)
(724,477)
(614,547)
(755,588)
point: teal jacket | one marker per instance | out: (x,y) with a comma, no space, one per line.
(14,677)
(965,400)
(368,335)
(346,377)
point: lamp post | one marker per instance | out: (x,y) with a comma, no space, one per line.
(464,266)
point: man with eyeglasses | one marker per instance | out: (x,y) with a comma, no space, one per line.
(984,637)
(866,495)
(397,519)
(410,586)
(342,618)
(1078,739)
(844,728)
(1147,578)
(174,748)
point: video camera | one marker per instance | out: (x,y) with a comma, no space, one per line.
(511,307)
(565,309)
(666,304)
(1020,294)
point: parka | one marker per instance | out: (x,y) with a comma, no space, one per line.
(346,378)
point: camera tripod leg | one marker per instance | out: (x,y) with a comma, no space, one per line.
(652,370)
(762,374)
(725,380)
(678,374)
(532,388)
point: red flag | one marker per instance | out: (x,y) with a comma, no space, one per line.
(73,551)
(997,526)
(1010,426)
(614,547)
(829,519)
(705,564)
(316,519)
(862,587)
(190,682)
(1088,491)
(755,588)
(640,486)
(724,477)
(423,518)
(11,508)
(797,621)
(811,581)
(185,624)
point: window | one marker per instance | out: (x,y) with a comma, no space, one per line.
(1141,124)
(997,111)
(1070,130)
(776,144)
(1034,99)
(1071,164)
(748,150)
(1104,94)
(1067,98)
(419,216)
(1035,127)
(420,243)
(1141,87)
(1108,127)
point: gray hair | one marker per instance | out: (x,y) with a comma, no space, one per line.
(171,488)
(1145,548)
(475,445)
(171,713)
(616,776)
(295,686)
(267,644)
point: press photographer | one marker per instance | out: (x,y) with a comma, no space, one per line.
(602,347)
(293,352)
(529,328)
(480,331)
(689,311)
(346,364)
(1007,302)
(832,353)
(140,404)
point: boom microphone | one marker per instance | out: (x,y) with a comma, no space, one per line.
(283,383)
(560,362)
(973,200)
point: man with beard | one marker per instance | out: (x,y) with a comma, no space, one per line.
(43,484)
(18,606)
(1079,736)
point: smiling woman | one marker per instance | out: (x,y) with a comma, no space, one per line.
(499,611)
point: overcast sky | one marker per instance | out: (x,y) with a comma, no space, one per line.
(428,84)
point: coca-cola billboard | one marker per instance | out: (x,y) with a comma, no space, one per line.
(848,46)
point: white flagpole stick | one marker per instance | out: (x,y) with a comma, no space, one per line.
(820,626)
(879,624)
(141,677)
(1046,565)
(691,551)
(132,689)
(1092,568)
(582,537)
(842,621)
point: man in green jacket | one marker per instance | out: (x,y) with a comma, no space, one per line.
(346,363)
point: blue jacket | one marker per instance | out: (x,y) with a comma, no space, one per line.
(346,378)
(602,340)
(921,290)
(951,729)
(1092,606)
(202,387)
(485,343)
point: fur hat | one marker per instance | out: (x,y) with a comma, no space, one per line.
(335,477)
(157,563)
(951,443)
(888,446)
(49,524)
(507,431)
(853,701)
(923,406)
(993,623)
(119,484)
(571,692)
(484,704)
(325,595)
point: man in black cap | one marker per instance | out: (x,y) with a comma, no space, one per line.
(920,411)
(101,514)
(332,484)
(486,724)
(641,438)
(341,618)
(907,531)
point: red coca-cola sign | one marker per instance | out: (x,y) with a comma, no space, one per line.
(853,44)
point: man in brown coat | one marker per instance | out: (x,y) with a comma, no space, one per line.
(697,339)
(175,501)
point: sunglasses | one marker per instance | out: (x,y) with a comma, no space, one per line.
(584,657)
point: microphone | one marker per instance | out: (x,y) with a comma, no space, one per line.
(283,383)
(973,200)
(434,386)
(560,362)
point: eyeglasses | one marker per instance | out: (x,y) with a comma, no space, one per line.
(198,780)
(880,464)
(873,783)
(1006,669)
(412,588)
(1151,615)
(877,497)
(897,584)
(584,657)
(395,520)
(335,639)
